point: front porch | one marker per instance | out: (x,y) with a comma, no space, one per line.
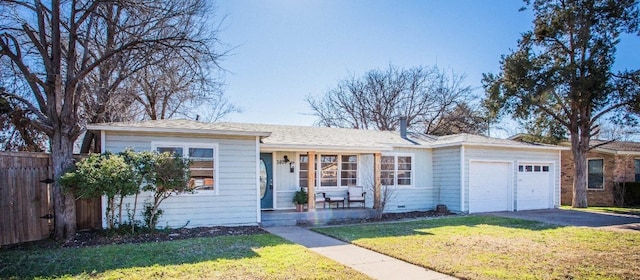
(320,216)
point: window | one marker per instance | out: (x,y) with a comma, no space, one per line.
(637,164)
(331,170)
(202,163)
(349,173)
(533,168)
(396,170)
(304,171)
(595,173)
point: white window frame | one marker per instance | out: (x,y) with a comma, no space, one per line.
(395,169)
(603,176)
(339,185)
(185,154)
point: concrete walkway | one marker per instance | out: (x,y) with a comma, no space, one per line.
(375,265)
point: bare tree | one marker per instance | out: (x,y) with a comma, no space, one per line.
(176,88)
(17,130)
(54,47)
(378,99)
(464,118)
(158,83)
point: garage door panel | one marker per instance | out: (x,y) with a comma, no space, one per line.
(534,186)
(489,186)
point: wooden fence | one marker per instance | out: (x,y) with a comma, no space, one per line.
(26,206)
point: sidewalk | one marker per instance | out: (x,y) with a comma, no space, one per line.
(373,264)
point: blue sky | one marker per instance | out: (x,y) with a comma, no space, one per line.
(288,49)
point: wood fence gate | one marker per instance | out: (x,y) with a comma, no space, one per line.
(26,206)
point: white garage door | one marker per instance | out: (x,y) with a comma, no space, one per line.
(534,186)
(489,186)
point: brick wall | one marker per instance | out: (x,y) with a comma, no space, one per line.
(615,168)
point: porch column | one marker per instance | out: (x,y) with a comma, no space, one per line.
(311,180)
(377,163)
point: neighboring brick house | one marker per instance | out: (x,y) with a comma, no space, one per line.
(608,164)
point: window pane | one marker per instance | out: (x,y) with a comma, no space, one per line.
(171,150)
(545,169)
(387,163)
(386,178)
(404,163)
(200,153)
(349,174)
(595,177)
(404,178)
(304,171)
(202,168)
(329,170)
(537,168)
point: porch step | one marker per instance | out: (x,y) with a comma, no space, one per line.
(317,217)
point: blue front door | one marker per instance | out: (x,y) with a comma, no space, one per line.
(266,181)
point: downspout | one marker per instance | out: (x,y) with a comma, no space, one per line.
(258,212)
(103,199)
(462,171)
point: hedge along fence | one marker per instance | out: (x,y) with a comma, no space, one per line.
(26,205)
(627,194)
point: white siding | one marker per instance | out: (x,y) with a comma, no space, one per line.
(235,202)
(446,177)
(419,196)
(285,182)
(514,156)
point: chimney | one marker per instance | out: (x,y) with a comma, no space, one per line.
(403,127)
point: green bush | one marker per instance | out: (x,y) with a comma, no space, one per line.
(118,175)
(103,174)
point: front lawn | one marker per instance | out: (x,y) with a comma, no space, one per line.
(260,256)
(484,247)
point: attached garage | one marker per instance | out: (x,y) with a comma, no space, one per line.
(534,186)
(498,175)
(490,186)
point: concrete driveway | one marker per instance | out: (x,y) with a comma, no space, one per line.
(576,218)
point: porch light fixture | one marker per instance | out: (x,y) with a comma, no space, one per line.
(292,167)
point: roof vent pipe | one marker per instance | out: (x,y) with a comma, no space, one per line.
(403,127)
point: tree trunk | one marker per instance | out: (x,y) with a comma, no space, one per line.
(64,203)
(579,148)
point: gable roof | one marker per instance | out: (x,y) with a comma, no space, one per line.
(304,138)
(480,140)
(175,126)
(329,138)
(616,147)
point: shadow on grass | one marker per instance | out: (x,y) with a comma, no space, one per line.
(634,211)
(56,262)
(413,228)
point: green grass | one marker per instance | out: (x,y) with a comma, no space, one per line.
(479,247)
(617,210)
(261,256)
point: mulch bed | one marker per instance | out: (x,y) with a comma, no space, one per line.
(390,217)
(102,237)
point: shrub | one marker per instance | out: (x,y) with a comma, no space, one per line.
(103,174)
